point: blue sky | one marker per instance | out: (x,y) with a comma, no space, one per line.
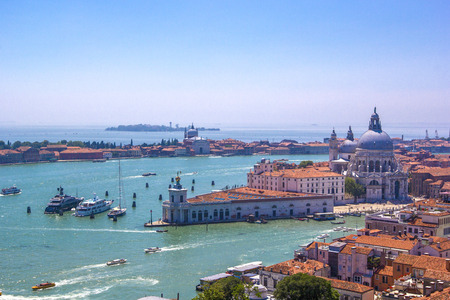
(249,63)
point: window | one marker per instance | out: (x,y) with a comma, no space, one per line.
(181,198)
(173,198)
(194,215)
(385,279)
(215,213)
(357,279)
(227,212)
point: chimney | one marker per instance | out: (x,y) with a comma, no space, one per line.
(440,285)
(427,290)
(438,244)
(316,254)
(433,286)
(447,264)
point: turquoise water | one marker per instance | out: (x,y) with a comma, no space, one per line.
(73,251)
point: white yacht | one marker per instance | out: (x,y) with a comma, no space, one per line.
(93,206)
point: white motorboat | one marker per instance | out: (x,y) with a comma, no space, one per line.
(93,206)
(152,250)
(323,236)
(116,262)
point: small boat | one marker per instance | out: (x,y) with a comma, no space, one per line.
(338,228)
(338,222)
(149,174)
(302,219)
(323,236)
(44,285)
(162,230)
(116,262)
(152,250)
(11,191)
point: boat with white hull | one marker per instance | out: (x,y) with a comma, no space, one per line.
(93,206)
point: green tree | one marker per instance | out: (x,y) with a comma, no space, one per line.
(353,188)
(305,287)
(16,144)
(305,163)
(229,288)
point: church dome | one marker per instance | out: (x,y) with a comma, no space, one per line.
(348,146)
(374,140)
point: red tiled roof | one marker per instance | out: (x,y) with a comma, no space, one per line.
(348,286)
(385,242)
(250,195)
(295,266)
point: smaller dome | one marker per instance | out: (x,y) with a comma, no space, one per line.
(348,146)
(374,140)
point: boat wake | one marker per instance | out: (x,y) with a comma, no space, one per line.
(85,229)
(84,268)
(133,177)
(142,280)
(81,295)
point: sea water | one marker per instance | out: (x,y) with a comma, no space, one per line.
(73,251)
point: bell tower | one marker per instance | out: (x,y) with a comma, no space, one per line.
(334,146)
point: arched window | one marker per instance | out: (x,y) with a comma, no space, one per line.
(181,198)
(227,212)
(307,204)
(216,213)
(324,203)
(274,206)
(377,166)
(205,213)
(371,166)
(256,207)
(373,182)
(173,198)
(194,215)
(291,205)
(238,208)
(200,215)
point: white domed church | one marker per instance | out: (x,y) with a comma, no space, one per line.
(371,162)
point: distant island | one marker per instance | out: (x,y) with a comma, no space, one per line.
(148,127)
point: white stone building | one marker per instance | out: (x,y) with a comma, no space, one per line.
(238,204)
(314,180)
(371,162)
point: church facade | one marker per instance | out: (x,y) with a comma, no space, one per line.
(371,162)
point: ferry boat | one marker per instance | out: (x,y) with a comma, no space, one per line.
(116,262)
(62,202)
(11,191)
(93,206)
(44,285)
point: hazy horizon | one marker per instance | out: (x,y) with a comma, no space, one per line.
(262,64)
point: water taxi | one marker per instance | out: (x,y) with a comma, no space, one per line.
(152,250)
(44,285)
(11,191)
(116,262)
(149,174)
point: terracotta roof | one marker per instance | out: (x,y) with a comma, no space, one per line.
(434,171)
(386,271)
(294,266)
(430,262)
(360,250)
(385,242)
(309,172)
(406,259)
(250,195)
(420,223)
(438,275)
(348,286)
(319,244)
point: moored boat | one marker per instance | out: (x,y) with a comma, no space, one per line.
(162,230)
(44,285)
(152,250)
(11,191)
(62,202)
(323,236)
(118,211)
(116,262)
(93,206)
